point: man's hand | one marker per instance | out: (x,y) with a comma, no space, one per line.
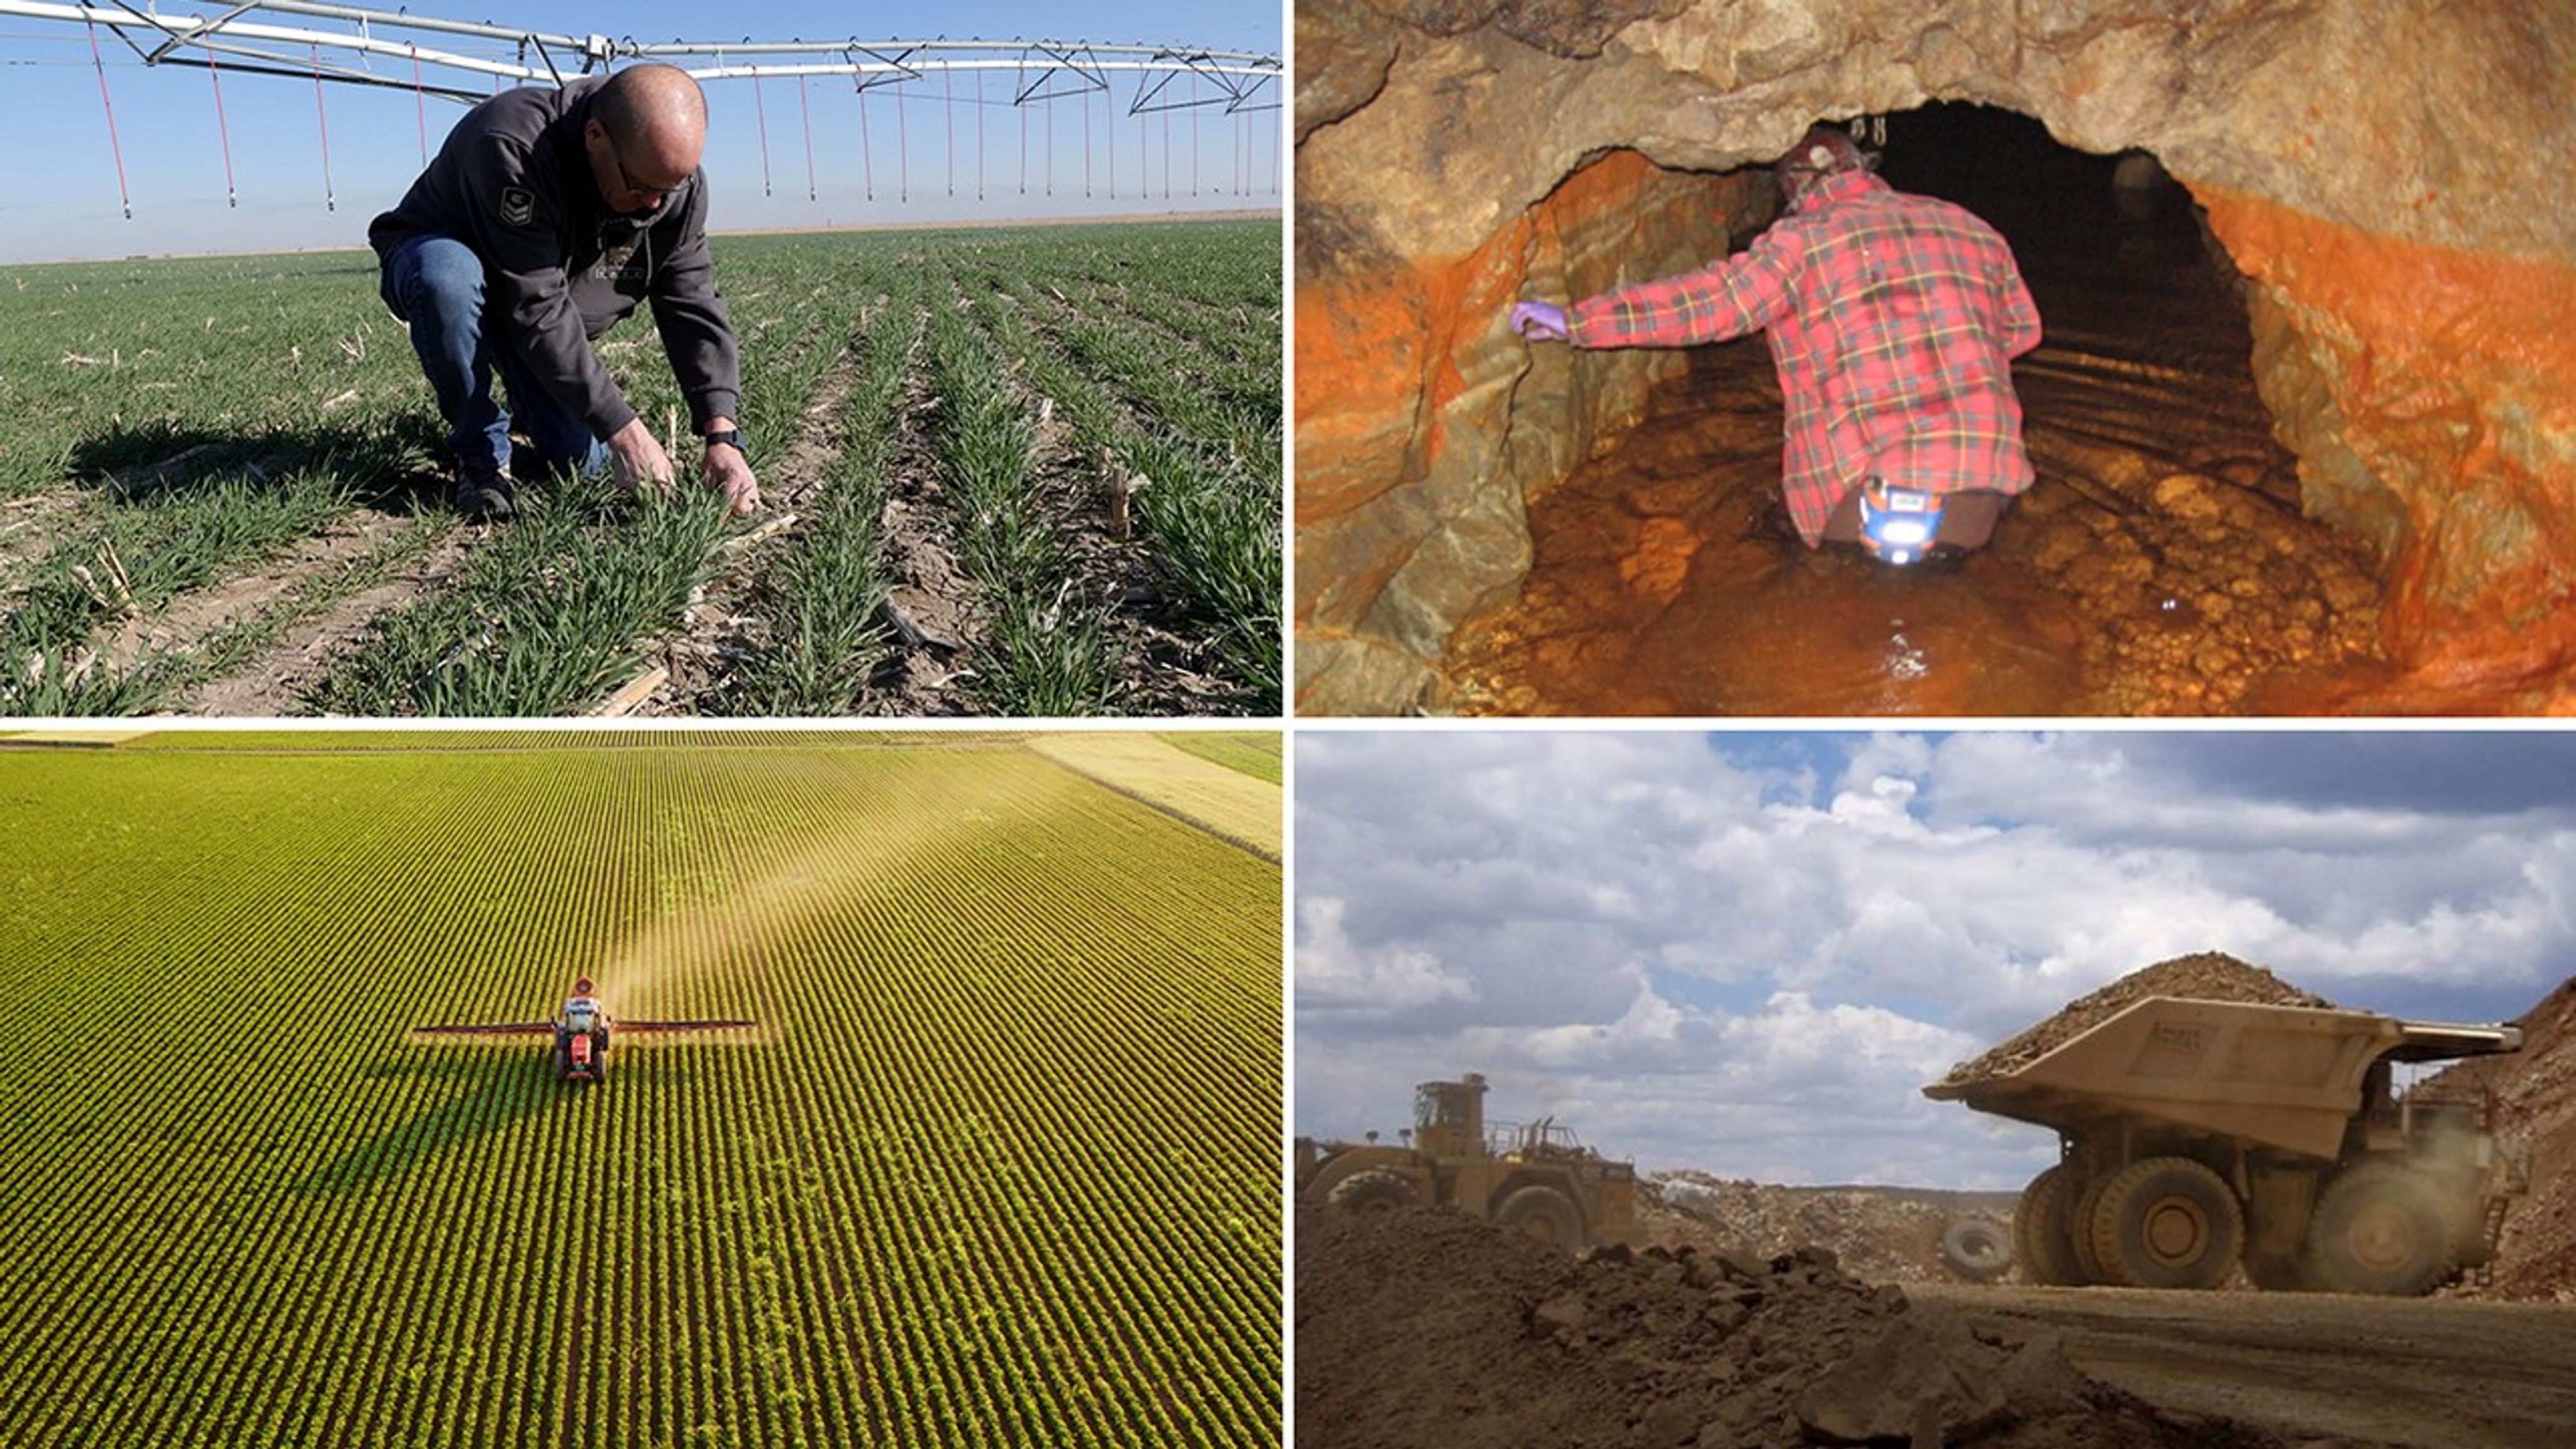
(729,473)
(635,458)
(1544,321)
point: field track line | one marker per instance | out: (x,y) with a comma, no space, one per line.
(272,682)
(190,615)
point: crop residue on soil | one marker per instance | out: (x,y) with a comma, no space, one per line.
(1422,1329)
(2203,976)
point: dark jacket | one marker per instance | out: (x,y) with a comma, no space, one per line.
(513,182)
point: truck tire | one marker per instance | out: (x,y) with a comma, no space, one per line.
(2167,1222)
(2079,1218)
(2379,1229)
(1977,1250)
(2043,1233)
(1374,1191)
(1543,1213)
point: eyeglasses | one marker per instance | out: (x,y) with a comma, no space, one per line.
(617,154)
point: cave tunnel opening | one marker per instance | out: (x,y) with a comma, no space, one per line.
(2160,565)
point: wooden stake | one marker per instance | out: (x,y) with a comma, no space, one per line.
(633,693)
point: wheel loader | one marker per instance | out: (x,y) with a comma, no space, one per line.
(1535,1178)
(2200,1137)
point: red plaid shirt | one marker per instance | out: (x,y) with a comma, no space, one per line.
(1893,321)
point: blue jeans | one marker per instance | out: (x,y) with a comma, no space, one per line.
(435,283)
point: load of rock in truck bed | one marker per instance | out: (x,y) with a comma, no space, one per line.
(2203,976)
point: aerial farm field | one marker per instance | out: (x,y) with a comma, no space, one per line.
(1022,471)
(997,1165)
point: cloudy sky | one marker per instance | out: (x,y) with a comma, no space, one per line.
(1746,952)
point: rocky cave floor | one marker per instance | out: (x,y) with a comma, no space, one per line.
(2161,566)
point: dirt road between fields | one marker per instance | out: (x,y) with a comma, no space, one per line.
(2317,1369)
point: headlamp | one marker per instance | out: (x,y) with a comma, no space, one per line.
(1898,524)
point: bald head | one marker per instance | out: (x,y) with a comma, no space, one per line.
(648,102)
(651,128)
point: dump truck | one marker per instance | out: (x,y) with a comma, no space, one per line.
(2198,1137)
(1534,1178)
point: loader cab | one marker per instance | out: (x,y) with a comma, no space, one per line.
(1449,1117)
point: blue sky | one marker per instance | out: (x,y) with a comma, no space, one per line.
(63,203)
(1745,953)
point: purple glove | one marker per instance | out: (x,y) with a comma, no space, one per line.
(1542,320)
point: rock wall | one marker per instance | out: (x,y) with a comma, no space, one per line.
(1410,483)
(2388,174)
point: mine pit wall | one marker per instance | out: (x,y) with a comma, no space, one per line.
(2387,174)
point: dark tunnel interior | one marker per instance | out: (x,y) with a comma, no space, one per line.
(2160,565)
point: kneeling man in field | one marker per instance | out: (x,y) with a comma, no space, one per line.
(545,217)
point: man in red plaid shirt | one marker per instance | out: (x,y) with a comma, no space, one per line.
(1893,321)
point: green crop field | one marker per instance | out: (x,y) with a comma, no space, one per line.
(999,1164)
(1018,472)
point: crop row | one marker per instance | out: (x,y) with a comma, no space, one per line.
(1211,500)
(1000,1167)
(184,424)
(823,633)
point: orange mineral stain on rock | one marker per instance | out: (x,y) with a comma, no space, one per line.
(2455,372)
(1379,352)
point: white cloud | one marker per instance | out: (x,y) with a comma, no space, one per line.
(1335,976)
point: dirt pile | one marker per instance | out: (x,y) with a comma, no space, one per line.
(2203,976)
(2534,1091)
(1882,1235)
(1421,1329)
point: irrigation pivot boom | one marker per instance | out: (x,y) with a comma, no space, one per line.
(582,1030)
(240,37)
(468,61)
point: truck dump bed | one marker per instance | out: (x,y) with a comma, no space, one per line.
(2285,1077)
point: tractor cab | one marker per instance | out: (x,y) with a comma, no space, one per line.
(582,1015)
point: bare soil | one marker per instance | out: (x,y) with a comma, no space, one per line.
(930,591)
(1426,1329)
(178,626)
(275,681)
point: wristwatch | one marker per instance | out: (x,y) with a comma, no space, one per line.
(731,438)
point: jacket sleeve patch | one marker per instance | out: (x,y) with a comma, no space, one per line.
(518,206)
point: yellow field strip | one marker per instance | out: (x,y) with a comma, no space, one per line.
(80,736)
(1223,802)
